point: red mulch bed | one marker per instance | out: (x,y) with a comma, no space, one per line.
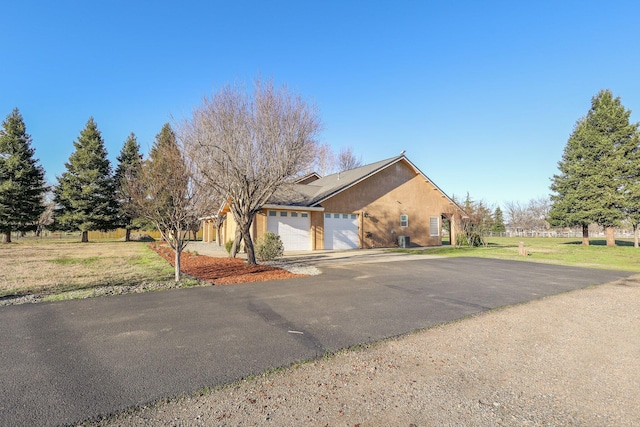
(222,271)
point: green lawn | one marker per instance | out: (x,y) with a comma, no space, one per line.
(551,250)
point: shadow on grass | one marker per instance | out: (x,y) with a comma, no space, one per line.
(600,242)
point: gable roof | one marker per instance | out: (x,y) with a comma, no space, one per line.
(316,192)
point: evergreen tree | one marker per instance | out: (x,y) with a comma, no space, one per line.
(165,193)
(165,154)
(129,162)
(85,194)
(588,188)
(631,186)
(22,184)
(498,221)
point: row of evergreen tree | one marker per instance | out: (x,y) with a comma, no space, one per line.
(89,195)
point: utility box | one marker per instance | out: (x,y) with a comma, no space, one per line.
(404,241)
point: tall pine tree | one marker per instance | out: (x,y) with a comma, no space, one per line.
(129,162)
(498,221)
(22,184)
(631,186)
(85,194)
(588,188)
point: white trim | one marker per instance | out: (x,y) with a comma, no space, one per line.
(293,208)
(438,226)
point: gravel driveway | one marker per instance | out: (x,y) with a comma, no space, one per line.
(571,359)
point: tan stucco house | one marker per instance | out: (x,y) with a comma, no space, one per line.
(384,204)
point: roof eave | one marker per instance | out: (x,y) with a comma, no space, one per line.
(293,207)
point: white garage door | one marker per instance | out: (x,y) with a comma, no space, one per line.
(292,227)
(340,231)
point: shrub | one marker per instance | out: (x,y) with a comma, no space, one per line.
(228,246)
(269,247)
(470,239)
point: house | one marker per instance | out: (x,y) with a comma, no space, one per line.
(384,204)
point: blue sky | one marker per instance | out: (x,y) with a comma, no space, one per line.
(482,95)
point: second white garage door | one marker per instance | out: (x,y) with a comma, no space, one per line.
(340,231)
(293,229)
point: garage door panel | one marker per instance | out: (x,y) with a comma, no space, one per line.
(294,231)
(341,231)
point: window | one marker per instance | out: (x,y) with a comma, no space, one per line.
(304,215)
(345,216)
(272,213)
(434,226)
(353,216)
(404,220)
(327,215)
(294,214)
(283,213)
(336,215)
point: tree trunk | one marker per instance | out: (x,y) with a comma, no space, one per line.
(85,237)
(585,235)
(248,245)
(7,237)
(635,236)
(219,234)
(127,235)
(611,240)
(236,243)
(176,268)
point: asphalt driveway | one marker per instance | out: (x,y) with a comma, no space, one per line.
(69,361)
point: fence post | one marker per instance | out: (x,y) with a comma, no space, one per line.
(521,249)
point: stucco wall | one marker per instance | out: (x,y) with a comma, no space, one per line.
(259,225)
(384,197)
(317,230)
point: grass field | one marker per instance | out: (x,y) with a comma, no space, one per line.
(56,265)
(551,250)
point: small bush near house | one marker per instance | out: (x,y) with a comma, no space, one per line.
(269,247)
(228,246)
(469,239)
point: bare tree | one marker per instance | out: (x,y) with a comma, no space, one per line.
(347,160)
(324,162)
(46,217)
(539,213)
(529,217)
(248,146)
(164,191)
(517,216)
